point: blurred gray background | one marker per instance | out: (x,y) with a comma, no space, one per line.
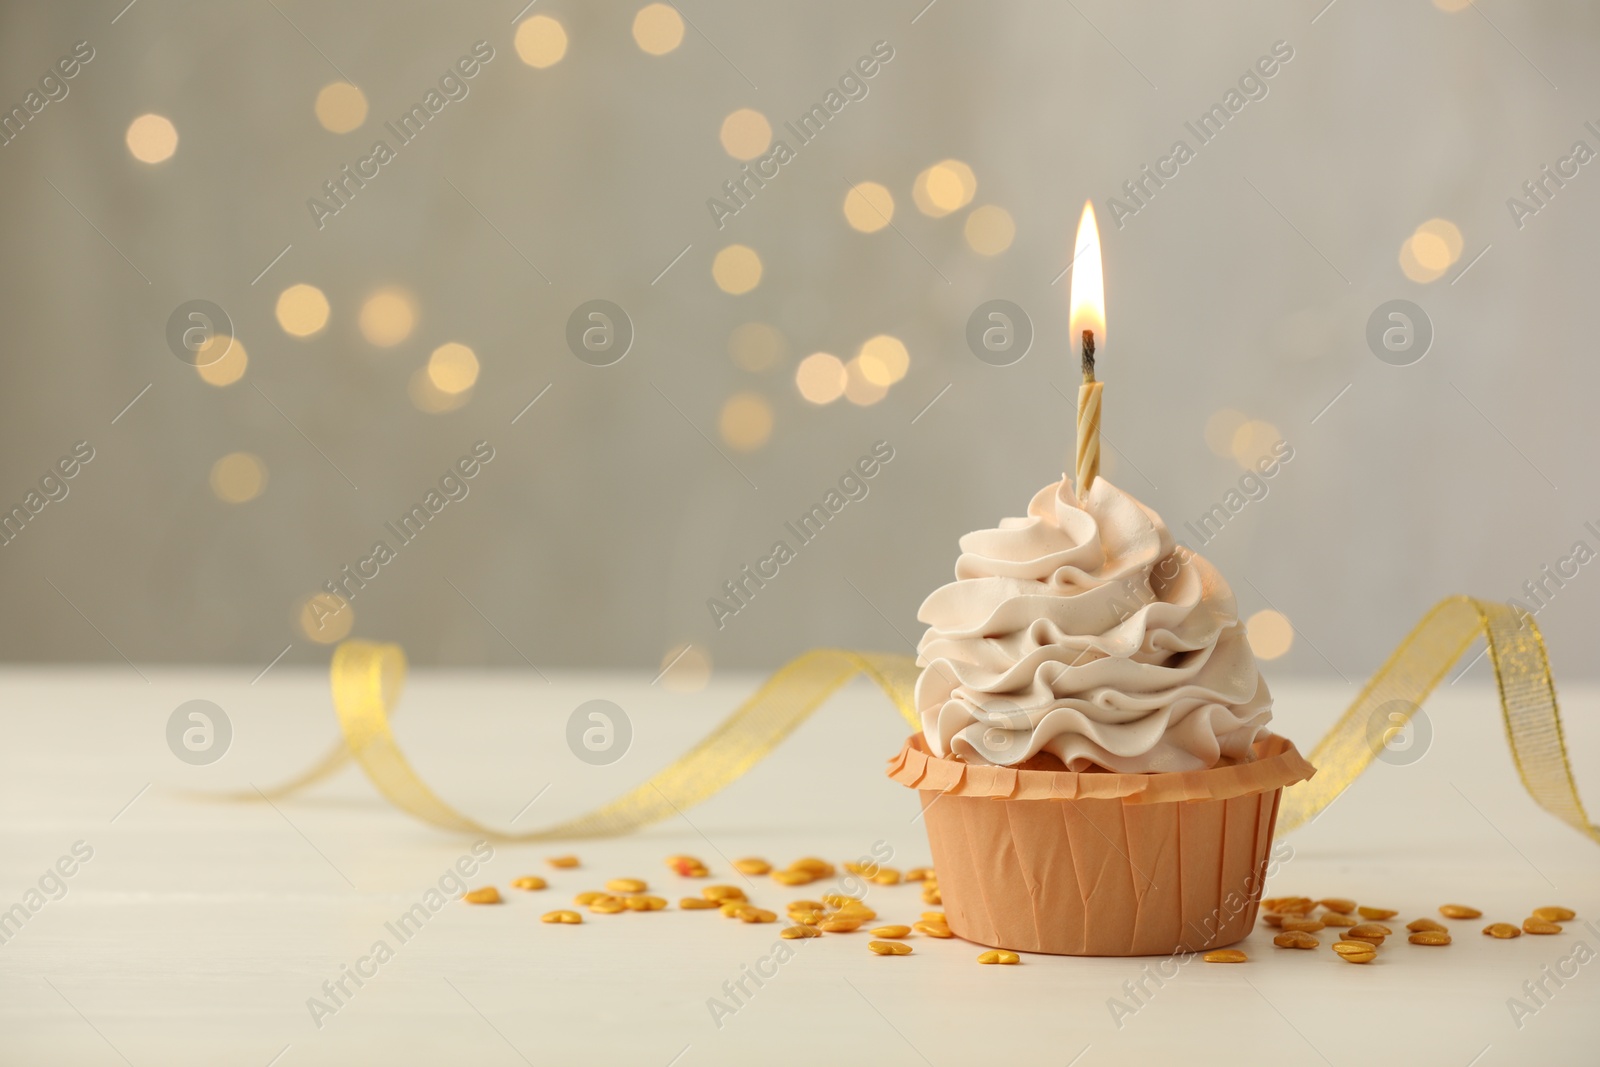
(622,500)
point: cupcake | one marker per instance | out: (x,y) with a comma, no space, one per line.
(1096,773)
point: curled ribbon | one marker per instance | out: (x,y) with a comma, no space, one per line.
(367,679)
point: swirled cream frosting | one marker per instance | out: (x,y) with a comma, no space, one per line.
(1085,632)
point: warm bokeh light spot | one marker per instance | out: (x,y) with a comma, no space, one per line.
(658,28)
(429,398)
(1269,633)
(884,359)
(859,389)
(387,317)
(540,42)
(1221,427)
(326,619)
(1447,232)
(746,133)
(944,187)
(302,310)
(746,422)
(868,207)
(757,347)
(152,138)
(1255,441)
(238,477)
(1413,267)
(341,107)
(453,368)
(736,269)
(989,230)
(821,378)
(685,669)
(1432,249)
(223,369)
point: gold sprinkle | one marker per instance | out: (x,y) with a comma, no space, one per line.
(1459,911)
(1225,955)
(1503,931)
(1539,926)
(998,955)
(891,931)
(562,861)
(627,885)
(1554,913)
(1295,939)
(889,948)
(792,933)
(1430,937)
(568,917)
(529,882)
(1356,951)
(1377,913)
(487,895)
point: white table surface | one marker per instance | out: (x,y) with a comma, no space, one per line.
(198,930)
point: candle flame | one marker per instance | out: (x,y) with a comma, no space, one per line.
(1088,306)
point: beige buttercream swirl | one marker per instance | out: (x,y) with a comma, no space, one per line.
(1085,632)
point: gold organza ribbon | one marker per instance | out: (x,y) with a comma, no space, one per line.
(367,679)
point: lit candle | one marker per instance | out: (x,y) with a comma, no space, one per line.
(1087,319)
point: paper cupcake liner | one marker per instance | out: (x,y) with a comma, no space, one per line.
(1098,863)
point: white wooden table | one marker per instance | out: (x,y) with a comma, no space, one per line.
(198,930)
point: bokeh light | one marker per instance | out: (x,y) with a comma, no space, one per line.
(989,230)
(1255,441)
(1269,633)
(152,138)
(326,619)
(757,347)
(685,669)
(868,207)
(1430,250)
(341,107)
(1414,268)
(225,369)
(1452,6)
(1221,427)
(746,422)
(884,359)
(429,398)
(821,378)
(944,187)
(540,42)
(859,389)
(302,310)
(736,269)
(238,477)
(746,133)
(453,368)
(658,28)
(387,317)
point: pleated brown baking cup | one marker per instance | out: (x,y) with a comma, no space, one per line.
(1095,863)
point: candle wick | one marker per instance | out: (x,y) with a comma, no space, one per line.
(1088,356)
